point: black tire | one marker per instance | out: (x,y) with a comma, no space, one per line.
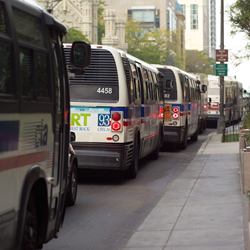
(183,144)
(72,187)
(29,241)
(201,127)
(205,125)
(195,136)
(131,173)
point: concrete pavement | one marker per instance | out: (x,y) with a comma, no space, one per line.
(203,209)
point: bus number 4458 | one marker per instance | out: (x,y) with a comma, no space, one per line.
(104,90)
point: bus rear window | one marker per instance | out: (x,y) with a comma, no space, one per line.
(99,83)
(169,84)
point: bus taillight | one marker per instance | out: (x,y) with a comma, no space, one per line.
(205,106)
(116,121)
(175,113)
(116,126)
(116,116)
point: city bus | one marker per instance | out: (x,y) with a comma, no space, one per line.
(116,111)
(233,100)
(203,78)
(182,97)
(34,124)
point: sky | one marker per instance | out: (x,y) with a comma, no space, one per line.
(233,44)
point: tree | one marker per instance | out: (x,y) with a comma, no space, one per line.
(152,47)
(75,35)
(101,23)
(239,16)
(199,62)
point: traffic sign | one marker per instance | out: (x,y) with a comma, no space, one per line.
(221,69)
(221,55)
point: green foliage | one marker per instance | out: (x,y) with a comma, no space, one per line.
(199,62)
(153,47)
(75,35)
(101,23)
(239,16)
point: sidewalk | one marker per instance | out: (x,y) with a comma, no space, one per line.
(203,209)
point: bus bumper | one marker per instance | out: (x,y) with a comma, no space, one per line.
(103,155)
(172,134)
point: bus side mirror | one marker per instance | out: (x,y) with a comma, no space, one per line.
(198,82)
(72,136)
(209,99)
(80,57)
(204,88)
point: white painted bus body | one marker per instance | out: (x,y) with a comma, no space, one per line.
(177,130)
(106,89)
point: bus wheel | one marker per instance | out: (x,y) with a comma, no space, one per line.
(72,188)
(183,144)
(131,173)
(30,227)
(201,127)
(205,125)
(195,136)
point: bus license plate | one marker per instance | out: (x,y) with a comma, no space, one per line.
(167,112)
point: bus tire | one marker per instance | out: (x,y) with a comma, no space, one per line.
(155,154)
(133,168)
(195,136)
(72,188)
(201,127)
(205,125)
(30,233)
(183,144)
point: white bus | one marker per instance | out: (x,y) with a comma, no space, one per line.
(203,78)
(34,125)
(116,111)
(233,101)
(182,97)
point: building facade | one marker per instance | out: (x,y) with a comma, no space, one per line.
(197,31)
(81,15)
(153,14)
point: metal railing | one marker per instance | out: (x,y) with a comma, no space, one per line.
(231,133)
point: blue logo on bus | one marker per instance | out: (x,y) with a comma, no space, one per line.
(103,120)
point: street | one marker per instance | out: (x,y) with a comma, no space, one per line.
(109,208)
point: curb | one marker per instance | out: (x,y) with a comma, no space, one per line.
(204,144)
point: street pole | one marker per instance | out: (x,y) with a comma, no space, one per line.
(221,120)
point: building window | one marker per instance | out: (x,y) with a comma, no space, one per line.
(194,16)
(183,6)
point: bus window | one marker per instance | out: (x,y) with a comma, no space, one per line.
(6,82)
(3,26)
(42,79)
(135,81)
(31,31)
(26,72)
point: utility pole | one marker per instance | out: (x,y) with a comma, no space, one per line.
(221,120)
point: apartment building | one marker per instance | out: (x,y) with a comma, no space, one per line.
(197,31)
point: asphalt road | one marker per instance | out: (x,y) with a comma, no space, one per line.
(109,208)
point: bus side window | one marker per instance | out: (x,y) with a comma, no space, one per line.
(6,81)
(145,74)
(187,89)
(136,82)
(152,85)
(57,79)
